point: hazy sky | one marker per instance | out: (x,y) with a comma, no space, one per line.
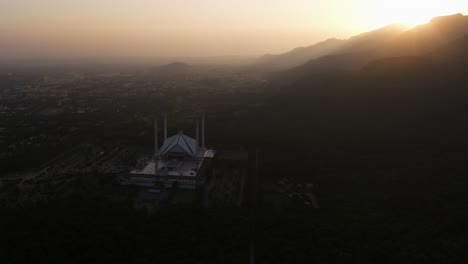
(195,27)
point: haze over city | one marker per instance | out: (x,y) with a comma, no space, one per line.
(57,28)
(223,131)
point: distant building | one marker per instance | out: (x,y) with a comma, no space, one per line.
(181,161)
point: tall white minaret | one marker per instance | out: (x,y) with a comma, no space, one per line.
(197,132)
(156,139)
(165,126)
(203,130)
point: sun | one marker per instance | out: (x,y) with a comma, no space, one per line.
(412,12)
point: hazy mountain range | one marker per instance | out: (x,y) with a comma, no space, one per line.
(354,53)
(404,95)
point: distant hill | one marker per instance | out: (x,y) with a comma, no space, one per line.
(387,42)
(372,40)
(398,65)
(453,53)
(452,57)
(301,55)
(428,37)
(359,43)
(393,105)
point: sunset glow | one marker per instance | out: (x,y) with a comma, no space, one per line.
(196,28)
(413,12)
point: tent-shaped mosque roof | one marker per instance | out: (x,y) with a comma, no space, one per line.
(178,145)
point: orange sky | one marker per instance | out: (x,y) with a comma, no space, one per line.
(195,27)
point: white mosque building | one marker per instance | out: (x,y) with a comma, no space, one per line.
(181,161)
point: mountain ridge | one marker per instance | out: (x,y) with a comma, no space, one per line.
(418,41)
(393,40)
